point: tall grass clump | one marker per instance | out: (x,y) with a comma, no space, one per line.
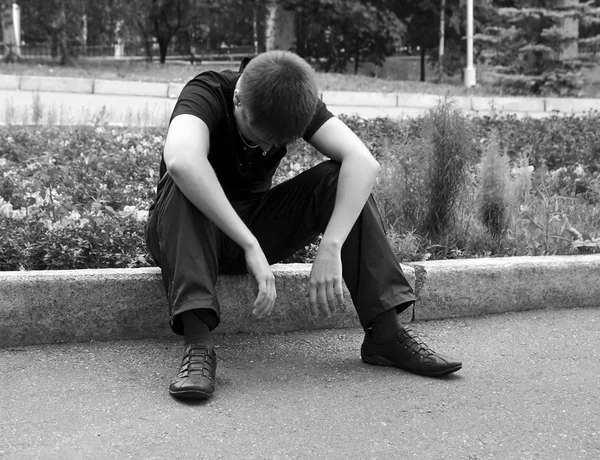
(451,153)
(37,109)
(494,188)
(401,192)
(401,187)
(521,182)
(9,111)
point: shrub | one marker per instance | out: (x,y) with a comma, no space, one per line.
(556,141)
(77,197)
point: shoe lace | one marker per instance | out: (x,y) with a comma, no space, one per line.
(197,358)
(414,343)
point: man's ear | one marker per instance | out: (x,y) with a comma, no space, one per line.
(236,98)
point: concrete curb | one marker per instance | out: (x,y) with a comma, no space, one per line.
(469,287)
(130,88)
(82,305)
(112,304)
(334,98)
(61,85)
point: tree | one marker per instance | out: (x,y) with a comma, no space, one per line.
(166,18)
(532,44)
(56,21)
(236,22)
(222,26)
(422,33)
(159,20)
(334,33)
(8,36)
(103,21)
(589,34)
(280,27)
(423,18)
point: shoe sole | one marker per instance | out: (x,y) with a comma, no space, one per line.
(380,361)
(190,395)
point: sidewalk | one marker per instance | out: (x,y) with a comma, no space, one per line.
(528,390)
(156,100)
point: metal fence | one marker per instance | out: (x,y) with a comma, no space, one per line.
(138,50)
(47,51)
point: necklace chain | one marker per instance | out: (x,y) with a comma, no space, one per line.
(243,138)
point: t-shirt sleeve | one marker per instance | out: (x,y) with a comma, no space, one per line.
(200,98)
(322,114)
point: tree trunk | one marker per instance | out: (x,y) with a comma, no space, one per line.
(54,45)
(8,33)
(163,46)
(570,28)
(442,38)
(280,27)
(301,35)
(148,46)
(59,32)
(63,45)
(255,27)
(147,41)
(423,56)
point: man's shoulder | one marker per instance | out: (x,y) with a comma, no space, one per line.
(224,80)
(208,96)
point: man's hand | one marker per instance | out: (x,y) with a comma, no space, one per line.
(259,268)
(325,284)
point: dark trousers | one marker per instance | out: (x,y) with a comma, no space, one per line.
(191,251)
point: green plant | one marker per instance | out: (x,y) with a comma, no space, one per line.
(10,113)
(451,153)
(401,188)
(533,45)
(547,219)
(37,109)
(77,197)
(520,184)
(493,189)
(408,247)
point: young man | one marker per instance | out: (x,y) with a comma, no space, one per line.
(215,212)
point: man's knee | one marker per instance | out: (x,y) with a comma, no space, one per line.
(324,175)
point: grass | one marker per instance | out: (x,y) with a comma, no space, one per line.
(182,72)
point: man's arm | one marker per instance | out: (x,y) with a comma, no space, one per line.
(356,180)
(186,157)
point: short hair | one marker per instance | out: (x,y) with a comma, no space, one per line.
(280,93)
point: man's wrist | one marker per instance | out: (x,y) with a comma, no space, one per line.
(250,244)
(332,243)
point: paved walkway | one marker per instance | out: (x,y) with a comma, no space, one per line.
(57,100)
(27,107)
(528,390)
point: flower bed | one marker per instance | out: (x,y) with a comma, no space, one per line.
(77,197)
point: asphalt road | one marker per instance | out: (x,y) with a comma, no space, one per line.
(528,390)
(24,107)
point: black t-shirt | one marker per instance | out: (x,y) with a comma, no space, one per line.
(243,173)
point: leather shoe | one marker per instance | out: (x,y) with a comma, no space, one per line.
(408,352)
(196,376)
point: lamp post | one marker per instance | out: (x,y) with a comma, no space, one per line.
(470,79)
(16,11)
